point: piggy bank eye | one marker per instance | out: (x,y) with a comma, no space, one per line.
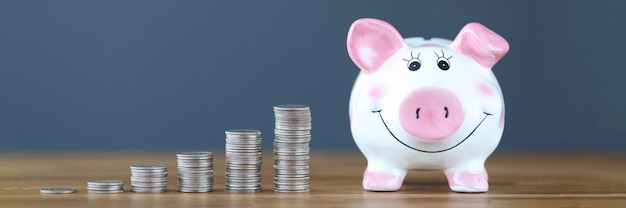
(414,62)
(414,65)
(443,64)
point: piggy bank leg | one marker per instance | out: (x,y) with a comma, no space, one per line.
(382,176)
(468,180)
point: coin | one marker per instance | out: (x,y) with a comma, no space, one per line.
(105,191)
(105,182)
(57,190)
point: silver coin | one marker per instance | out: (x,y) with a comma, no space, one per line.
(104,188)
(148,173)
(291,167)
(294,186)
(243,133)
(191,182)
(279,190)
(298,127)
(148,167)
(196,167)
(196,185)
(194,154)
(249,173)
(199,181)
(283,132)
(288,172)
(247,190)
(299,179)
(244,156)
(105,185)
(291,137)
(291,186)
(146,185)
(147,190)
(105,182)
(285,148)
(280,172)
(237,186)
(291,145)
(291,182)
(195,172)
(242,178)
(289,152)
(244,163)
(195,160)
(105,191)
(193,190)
(292,158)
(291,107)
(135,180)
(57,190)
(202,176)
(191,185)
(291,140)
(244,139)
(194,164)
(243,185)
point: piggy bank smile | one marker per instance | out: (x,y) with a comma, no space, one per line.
(382,119)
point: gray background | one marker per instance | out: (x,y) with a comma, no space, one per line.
(171,75)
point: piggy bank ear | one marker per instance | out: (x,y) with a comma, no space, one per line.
(371,42)
(481,44)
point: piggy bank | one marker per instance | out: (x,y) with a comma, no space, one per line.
(425,104)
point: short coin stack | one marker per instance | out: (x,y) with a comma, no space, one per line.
(105,186)
(291,148)
(195,171)
(243,161)
(57,190)
(148,178)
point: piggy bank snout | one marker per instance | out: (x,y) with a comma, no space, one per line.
(431,113)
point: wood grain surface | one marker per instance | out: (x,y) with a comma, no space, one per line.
(516,180)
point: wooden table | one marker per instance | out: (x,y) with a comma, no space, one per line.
(516,180)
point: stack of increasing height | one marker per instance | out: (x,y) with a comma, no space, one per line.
(148,178)
(291,148)
(243,161)
(195,171)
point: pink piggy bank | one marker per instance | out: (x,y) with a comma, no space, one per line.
(425,104)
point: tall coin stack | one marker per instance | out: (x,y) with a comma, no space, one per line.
(291,148)
(195,171)
(243,161)
(148,178)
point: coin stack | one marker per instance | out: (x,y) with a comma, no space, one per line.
(57,190)
(105,186)
(291,148)
(148,178)
(243,161)
(195,171)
